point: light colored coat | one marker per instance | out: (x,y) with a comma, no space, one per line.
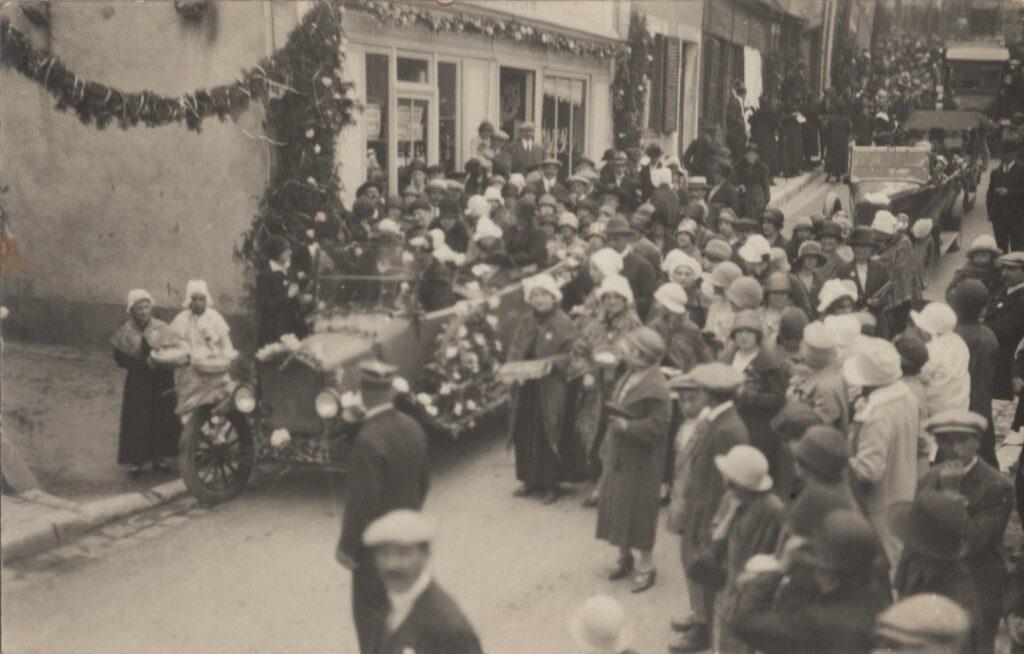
(946,376)
(883,443)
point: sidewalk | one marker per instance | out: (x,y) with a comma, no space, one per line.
(61,408)
(785,189)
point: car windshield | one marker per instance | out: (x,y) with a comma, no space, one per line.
(975,77)
(375,276)
(896,164)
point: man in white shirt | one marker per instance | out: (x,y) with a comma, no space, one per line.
(421,616)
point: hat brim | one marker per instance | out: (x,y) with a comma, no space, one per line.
(578,633)
(916,536)
(853,375)
(722,463)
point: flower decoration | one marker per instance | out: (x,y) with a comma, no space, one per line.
(632,70)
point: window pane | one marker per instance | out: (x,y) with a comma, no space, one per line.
(447,86)
(412,132)
(563,120)
(579,121)
(375,114)
(412,70)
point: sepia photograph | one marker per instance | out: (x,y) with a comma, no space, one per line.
(512,326)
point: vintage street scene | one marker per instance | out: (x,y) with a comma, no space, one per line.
(512,326)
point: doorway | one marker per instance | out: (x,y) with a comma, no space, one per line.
(517,87)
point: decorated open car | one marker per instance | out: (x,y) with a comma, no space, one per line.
(303,407)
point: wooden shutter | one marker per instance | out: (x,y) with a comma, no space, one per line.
(671,88)
(657,90)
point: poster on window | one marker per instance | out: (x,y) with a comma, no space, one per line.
(371,118)
(410,122)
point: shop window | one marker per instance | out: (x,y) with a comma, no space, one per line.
(447,90)
(413,70)
(563,119)
(375,113)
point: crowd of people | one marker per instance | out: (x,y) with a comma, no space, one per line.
(822,436)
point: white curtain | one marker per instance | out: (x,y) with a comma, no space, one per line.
(752,76)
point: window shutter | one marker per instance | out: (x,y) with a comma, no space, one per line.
(657,86)
(671,86)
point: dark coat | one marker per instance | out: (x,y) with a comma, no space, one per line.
(387,471)
(863,129)
(1005,317)
(527,246)
(757,187)
(684,342)
(735,127)
(876,279)
(457,238)
(703,487)
(552,338)
(836,622)
(643,281)
(149,427)
(836,135)
(1007,208)
(666,203)
(634,460)
(984,349)
(762,395)
(700,154)
(435,625)
(523,161)
(989,497)
(435,286)
(918,574)
(990,277)
(725,196)
(278,313)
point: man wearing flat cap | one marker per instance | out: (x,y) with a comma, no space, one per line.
(420,617)
(989,501)
(525,152)
(923,624)
(719,428)
(387,471)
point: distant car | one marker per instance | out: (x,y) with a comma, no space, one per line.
(295,414)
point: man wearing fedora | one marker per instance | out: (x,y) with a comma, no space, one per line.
(883,437)
(969,301)
(834,612)
(525,153)
(933,530)
(421,617)
(722,193)
(387,471)
(1004,199)
(749,521)
(989,500)
(616,174)
(638,271)
(864,271)
(549,169)
(702,151)
(718,428)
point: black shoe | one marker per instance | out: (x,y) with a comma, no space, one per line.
(644,580)
(590,502)
(160,466)
(549,497)
(522,491)
(622,570)
(134,472)
(684,625)
(696,639)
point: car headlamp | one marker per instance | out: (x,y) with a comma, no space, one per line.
(327,404)
(244,398)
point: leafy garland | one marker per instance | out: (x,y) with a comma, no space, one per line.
(632,79)
(403,15)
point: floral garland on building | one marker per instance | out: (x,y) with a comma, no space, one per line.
(308,103)
(403,15)
(632,79)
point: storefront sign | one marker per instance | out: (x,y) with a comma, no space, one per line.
(410,122)
(371,118)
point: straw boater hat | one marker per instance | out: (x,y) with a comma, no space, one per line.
(399,527)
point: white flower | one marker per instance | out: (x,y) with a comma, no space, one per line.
(457,409)
(326,81)
(320,217)
(400,385)
(471,405)
(451,352)
(351,399)
(497,346)
(425,399)
(280,438)
(494,302)
(408,258)
(446,389)
(431,409)
(310,233)
(316,148)
(473,285)
(311,180)
(492,321)
(456,376)
(310,133)
(479,338)
(463,332)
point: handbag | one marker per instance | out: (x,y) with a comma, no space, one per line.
(708,568)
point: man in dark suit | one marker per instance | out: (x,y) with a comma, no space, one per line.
(550,169)
(1005,317)
(866,273)
(989,501)
(1005,202)
(719,427)
(525,153)
(638,271)
(723,193)
(421,617)
(653,152)
(700,155)
(387,471)
(277,295)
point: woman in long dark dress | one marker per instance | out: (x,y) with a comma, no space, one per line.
(764,131)
(538,418)
(149,428)
(634,457)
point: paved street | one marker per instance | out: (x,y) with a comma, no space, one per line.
(258,573)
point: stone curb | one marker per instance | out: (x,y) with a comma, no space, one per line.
(58,526)
(790,193)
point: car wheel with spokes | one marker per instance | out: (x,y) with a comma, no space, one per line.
(216,454)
